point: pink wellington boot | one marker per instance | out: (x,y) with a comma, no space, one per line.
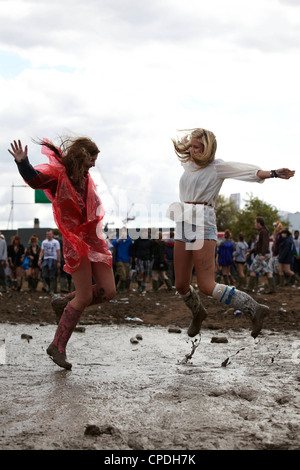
(66,326)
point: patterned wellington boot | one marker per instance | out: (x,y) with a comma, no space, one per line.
(229,295)
(194,303)
(58,304)
(66,326)
(59,358)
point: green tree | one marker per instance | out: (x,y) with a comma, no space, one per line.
(254,207)
(226,213)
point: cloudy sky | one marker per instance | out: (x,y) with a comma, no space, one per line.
(130,74)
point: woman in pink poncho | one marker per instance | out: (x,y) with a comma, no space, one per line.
(78,213)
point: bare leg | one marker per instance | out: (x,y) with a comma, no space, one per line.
(84,295)
(183,270)
(183,266)
(204,265)
(204,260)
(102,291)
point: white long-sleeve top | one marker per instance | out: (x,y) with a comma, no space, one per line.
(203,185)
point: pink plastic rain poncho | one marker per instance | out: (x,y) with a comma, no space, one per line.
(78,216)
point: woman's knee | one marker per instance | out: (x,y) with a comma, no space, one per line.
(104,294)
(206,284)
(110,293)
(206,289)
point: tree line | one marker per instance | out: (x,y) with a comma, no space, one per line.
(229,216)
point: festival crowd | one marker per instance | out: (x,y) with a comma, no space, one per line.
(144,262)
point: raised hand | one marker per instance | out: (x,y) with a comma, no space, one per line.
(17,151)
(285,173)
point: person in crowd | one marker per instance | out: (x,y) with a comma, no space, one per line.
(159,266)
(251,244)
(196,231)
(113,250)
(15,255)
(296,265)
(50,260)
(78,214)
(225,257)
(123,243)
(33,252)
(65,279)
(285,258)
(3,262)
(240,257)
(273,262)
(169,243)
(262,256)
(143,256)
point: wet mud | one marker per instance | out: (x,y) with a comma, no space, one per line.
(220,391)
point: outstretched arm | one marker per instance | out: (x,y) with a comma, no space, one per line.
(26,170)
(33,177)
(17,151)
(283,173)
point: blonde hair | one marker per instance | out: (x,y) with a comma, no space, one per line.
(207,138)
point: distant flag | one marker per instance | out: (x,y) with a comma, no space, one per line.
(40,197)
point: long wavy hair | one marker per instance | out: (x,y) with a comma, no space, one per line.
(207,138)
(72,153)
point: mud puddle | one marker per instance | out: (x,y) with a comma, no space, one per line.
(157,392)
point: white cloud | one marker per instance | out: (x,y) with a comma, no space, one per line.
(130,73)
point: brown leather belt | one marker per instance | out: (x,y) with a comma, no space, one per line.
(202,203)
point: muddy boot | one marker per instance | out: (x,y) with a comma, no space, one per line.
(3,287)
(52,286)
(140,288)
(276,278)
(58,304)
(296,277)
(32,283)
(281,280)
(59,358)
(242,283)
(251,285)
(193,302)
(66,326)
(293,278)
(122,287)
(29,282)
(168,284)
(242,301)
(271,282)
(155,285)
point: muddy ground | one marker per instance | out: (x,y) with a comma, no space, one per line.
(240,394)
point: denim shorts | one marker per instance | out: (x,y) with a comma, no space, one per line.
(189,233)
